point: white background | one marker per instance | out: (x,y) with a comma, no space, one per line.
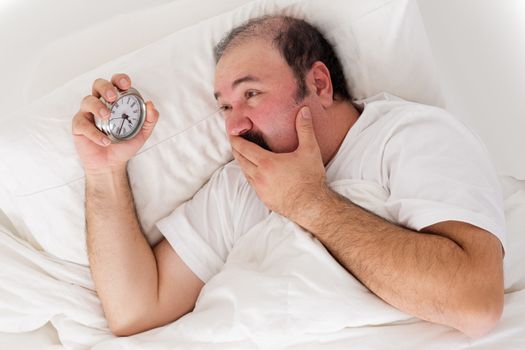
(479,50)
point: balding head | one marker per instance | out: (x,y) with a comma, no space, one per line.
(298,42)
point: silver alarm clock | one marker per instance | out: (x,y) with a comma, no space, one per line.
(127,116)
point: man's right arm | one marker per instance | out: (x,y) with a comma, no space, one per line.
(139,288)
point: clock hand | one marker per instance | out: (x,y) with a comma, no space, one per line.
(121,125)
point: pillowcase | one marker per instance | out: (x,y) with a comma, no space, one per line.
(382,47)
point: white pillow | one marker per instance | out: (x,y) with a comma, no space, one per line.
(52,70)
(381,44)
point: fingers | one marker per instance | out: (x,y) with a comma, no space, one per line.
(249,169)
(93,105)
(108,90)
(305,128)
(83,126)
(251,151)
(121,80)
(103,88)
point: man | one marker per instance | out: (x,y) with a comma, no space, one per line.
(293,129)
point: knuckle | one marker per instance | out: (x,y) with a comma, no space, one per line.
(118,76)
(102,86)
(98,82)
(121,80)
(98,86)
(85,101)
(76,125)
(81,124)
(92,104)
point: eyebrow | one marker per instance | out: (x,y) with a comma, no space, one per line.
(236,82)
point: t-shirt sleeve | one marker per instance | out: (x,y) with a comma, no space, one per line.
(437,169)
(204,229)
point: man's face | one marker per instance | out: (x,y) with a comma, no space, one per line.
(256,89)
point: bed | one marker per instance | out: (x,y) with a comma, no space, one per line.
(47,298)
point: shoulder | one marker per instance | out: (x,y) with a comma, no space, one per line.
(412,127)
(404,115)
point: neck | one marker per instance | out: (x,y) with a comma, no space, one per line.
(332,128)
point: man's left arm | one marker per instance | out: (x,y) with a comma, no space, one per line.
(451,274)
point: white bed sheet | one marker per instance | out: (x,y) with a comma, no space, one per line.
(222,320)
(44,338)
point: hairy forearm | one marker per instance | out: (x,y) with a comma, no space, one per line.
(123,265)
(425,275)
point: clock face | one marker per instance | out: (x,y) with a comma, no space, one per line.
(125,116)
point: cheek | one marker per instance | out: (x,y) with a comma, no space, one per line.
(266,118)
(276,114)
(276,119)
(278,127)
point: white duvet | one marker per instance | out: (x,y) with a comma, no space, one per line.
(279,289)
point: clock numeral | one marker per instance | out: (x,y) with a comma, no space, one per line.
(133,104)
(127,101)
(136,111)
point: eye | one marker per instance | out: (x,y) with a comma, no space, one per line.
(251,93)
(225,108)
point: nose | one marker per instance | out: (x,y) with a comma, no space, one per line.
(237,123)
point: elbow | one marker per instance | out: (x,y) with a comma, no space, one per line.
(120,332)
(121,329)
(128,326)
(125,329)
(480,319)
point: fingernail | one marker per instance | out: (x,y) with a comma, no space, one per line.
(106,141)
(110,94)
(124,82)
(306,113)
(103,112)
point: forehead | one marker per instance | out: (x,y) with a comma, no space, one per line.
(256,58)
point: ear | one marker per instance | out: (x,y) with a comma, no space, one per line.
(320,83)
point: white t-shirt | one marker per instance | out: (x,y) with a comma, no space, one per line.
(433,167)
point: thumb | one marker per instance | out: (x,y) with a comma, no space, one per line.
(305,128)
(152,116)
